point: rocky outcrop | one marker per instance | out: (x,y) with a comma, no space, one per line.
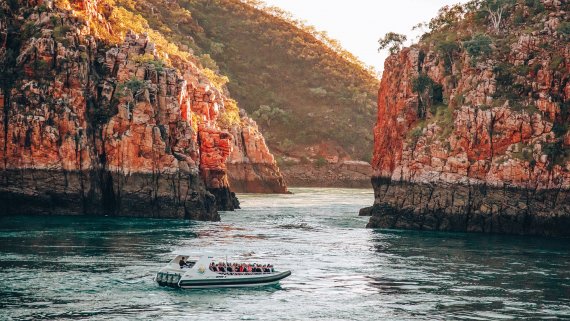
(90,128)
(482,145)
(252,168)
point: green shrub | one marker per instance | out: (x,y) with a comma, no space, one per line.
(158,64)
(319,92)
(30,30)
(521,107)
(280,161)
(134,85)
(556,62)
(217,80)
(229,115)
(522,70)
(265,115)
(42,8)
(564,28)
(320,161)
(536,5)
(54,20)
(60,33)
(429,92)
(536,68)
(507,88)
(151,60)
(557,153)
(414,135)
(207,62)
(518,19)
(447,49)
(286,145)
(443,117)
(478,46)
(422,83)
(101,113)
(41,68)
(560,129)
(525,152)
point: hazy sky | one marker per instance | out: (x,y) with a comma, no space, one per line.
(358,24)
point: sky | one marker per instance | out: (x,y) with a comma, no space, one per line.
(358,24)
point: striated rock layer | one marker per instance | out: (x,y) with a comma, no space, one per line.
(89,128)
(487,150)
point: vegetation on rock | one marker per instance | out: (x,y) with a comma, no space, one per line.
(324,92)
(487,65)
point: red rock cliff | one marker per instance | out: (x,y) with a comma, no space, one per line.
(87,127)
(252,168)
(483,144)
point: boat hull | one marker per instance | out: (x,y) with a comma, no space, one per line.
(236,282)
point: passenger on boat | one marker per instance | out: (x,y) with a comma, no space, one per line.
(236,268)
(182,262)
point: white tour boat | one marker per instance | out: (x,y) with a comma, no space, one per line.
(200,274)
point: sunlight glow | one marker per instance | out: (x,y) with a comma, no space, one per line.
(358,24)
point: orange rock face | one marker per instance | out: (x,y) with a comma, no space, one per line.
(478,144)
(488,149)
(215,148)
(105,132)
(251,167)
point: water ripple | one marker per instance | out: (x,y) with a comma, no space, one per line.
(102,268)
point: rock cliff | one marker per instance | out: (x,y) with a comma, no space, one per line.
(252,168)
(472,129)
(92,127)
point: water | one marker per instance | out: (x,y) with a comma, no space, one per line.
(102,268)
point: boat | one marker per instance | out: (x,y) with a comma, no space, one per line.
(198,274)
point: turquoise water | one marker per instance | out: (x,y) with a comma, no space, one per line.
(102,268)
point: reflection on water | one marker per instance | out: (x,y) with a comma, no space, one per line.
(472,275)
(101,268)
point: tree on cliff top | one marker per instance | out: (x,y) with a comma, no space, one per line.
(496,10)
(393,41)
(447,16)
